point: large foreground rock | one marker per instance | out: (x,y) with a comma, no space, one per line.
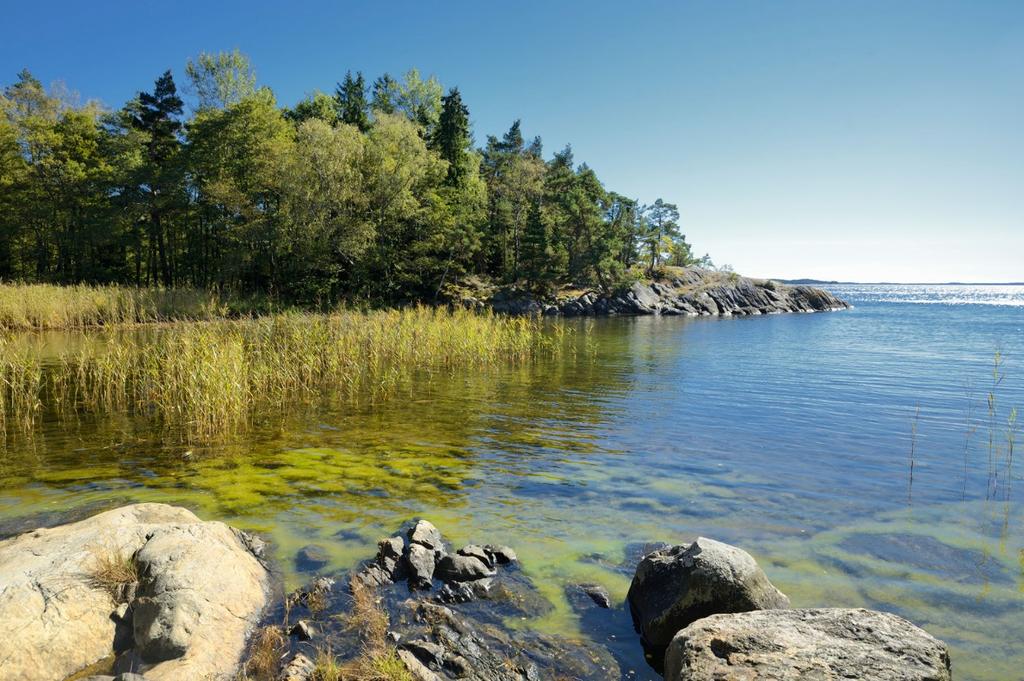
(678,585)
(200,590)
(828,643)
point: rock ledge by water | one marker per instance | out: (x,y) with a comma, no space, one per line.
(690,292)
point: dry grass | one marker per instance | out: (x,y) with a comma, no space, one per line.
(114,572)
(265,652)
(377,659)
(45,306)
(209,380)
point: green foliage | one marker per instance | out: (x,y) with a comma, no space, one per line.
(222,79)
(377,196)
(350,103)
(317,106)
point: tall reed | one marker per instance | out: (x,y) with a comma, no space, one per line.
(45,306)
(208,380)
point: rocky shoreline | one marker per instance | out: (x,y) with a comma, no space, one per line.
(194,599)
(690,292)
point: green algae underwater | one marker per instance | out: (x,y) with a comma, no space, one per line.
(637,430)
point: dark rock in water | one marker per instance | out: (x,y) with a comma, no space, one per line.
(304,630)
(827,643)
(467,638)
(389,565)
(598,594)
(459,568)
(389,556)
(430,654)
(311,558)
(480,552)
(421,564)
(315,597)
(464,592)
(501,555)
(679,585)
(477,651)
(425,534)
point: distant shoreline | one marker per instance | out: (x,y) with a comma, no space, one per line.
(822,282)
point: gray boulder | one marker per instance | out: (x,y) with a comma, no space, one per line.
(678,585)
(420,562)
(459,568)
(199,590)
(827,643)
(425,534)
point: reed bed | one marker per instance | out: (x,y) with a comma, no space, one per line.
(210,380)
(45,306)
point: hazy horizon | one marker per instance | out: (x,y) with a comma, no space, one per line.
(860,142)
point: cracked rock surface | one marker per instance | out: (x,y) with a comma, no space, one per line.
(200,589)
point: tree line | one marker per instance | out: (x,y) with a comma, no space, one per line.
(376,191)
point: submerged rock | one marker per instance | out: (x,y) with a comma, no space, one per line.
(827,643)
(598,594)
(675,586)
(311,558)
(199,590)
(454,645)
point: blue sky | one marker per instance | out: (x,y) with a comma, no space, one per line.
(840,140)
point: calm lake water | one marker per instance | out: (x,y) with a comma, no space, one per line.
(788,435)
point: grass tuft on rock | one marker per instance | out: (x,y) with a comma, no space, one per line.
(114,572)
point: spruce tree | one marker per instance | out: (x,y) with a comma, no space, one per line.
(452,139)
(385,94)
(350,101)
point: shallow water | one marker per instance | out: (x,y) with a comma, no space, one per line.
(788,435)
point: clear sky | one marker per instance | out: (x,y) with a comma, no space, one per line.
(867,140)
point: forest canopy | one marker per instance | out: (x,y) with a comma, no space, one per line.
(376,191)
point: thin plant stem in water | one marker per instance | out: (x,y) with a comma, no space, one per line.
(1011,439)
(913,452)
(969,429)
(993,447)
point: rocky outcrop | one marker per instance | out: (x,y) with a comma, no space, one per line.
(447,611)
(829,643)
(689,291)
(678,585)
(199,589)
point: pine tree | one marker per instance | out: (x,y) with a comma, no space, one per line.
(452,139)
(662,228)
(350,101)
(156,114)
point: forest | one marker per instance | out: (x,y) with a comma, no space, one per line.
(376,192)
